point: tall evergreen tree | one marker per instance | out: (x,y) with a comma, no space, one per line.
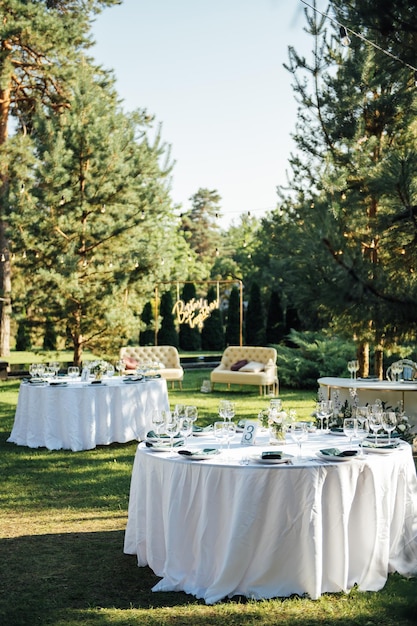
(255,319)
(232,335)
(201,224)
(147,335)
(212,334)
(275,326)
(167,334)
(40,44)
(101,191)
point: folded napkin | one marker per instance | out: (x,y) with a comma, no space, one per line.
(271,454)
(201,429)
(336,429)
(164,443)
(132,379)
(204,452)
(337,452)
(58,383)
(152,435)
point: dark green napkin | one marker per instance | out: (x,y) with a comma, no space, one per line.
(272,454)
(205,451)
(337,452)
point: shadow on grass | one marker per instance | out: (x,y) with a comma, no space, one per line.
(42,574)
(47,579)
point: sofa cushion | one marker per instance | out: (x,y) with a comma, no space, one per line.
(238,365)
(130,363)
(253,366)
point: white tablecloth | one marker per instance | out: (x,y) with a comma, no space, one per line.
(368,391)
(216,528)
(81,415)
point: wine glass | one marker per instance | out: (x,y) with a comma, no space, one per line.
(299,433)
(375,421)
(54,368)
(350,428)
(229,432)
(350,367)
(355,368)
(324,411)
(73,371)
(172,427)
(219,432)
(180,410)
(362,432)
(191,412)
(226,409)
(158,420)
(389,422)
(186,428)
(33,370)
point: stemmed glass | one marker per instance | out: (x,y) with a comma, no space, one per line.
(229,432)
(324,411)
(219,432)
(389,422)
(375,421)
(362,431)
(158,420)
(33,370)
(73,371)
(172,427)
(54,368)
(226,409)
(350,368)
(186,428)
(191,413)
(299,433)
(350,428)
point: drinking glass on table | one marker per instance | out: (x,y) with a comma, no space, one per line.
(229,432)
(375,422)
(54,367)
(324,411)
(226,409)
(299,433)
(350,428)
(120,366)
(172,426)
(73,371)
(362,432)
(158,420)
(389,422)
(219,432)
(33,370)
(186,428)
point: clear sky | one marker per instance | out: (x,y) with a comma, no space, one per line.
(211,71)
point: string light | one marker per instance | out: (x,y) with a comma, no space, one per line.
(347,30)
(344,37)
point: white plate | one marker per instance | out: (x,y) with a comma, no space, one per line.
(257,458)
(370,450)
(331,457)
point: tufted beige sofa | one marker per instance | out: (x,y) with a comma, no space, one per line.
(167,356)
(267,379)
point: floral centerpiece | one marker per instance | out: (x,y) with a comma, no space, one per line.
(276,422)
(99,368)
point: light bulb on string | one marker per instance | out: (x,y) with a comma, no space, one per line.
(344,37)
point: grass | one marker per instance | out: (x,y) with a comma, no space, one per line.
(62,521)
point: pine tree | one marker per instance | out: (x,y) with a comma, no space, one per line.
(212,334)
(40,45)
(105,210)
(201,224)
(167,334)
(255,321)
(147,335)
(275,327)
(232,335)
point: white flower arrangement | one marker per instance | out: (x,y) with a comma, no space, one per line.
(99,367)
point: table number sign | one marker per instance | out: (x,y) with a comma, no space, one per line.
(249,433)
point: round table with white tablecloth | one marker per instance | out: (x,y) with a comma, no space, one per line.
(215,528)
(81,415)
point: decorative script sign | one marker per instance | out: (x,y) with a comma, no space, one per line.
(194,312)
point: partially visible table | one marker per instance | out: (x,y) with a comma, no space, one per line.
(216,528)
(369,390)
(82,415)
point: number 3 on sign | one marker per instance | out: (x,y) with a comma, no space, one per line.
(249,433)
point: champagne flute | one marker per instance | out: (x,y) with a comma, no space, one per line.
(389,422)
(299,433)
(350,428)
(172,427)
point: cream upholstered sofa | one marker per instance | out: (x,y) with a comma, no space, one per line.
(258,368)
(166,356)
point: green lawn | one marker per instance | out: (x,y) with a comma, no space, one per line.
(62,520)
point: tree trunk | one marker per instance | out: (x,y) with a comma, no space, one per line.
(379,362)
(363,358)
(5,266)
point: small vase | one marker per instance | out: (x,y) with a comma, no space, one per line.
(276,435)
(98,376)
